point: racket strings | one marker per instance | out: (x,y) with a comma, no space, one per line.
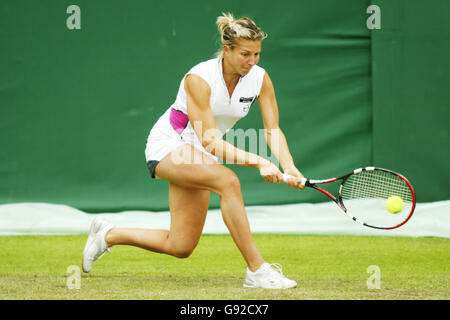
(375,184)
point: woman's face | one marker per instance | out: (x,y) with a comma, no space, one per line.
(244,55)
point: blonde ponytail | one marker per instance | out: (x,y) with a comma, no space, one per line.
(232,29)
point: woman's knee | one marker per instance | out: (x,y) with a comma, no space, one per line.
(180,250)
(230,185)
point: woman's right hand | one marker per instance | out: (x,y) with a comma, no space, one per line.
(270,172)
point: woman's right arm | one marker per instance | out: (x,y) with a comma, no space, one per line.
(202,120)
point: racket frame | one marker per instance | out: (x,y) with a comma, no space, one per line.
(339,201)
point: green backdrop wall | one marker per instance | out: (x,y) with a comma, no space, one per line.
(76,106)
(411,96)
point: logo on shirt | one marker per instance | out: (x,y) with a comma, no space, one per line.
(249,102)
(245,100)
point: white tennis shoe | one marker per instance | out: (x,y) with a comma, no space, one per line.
(96,243)
(268,276)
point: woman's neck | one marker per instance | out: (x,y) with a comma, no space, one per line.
(229,75)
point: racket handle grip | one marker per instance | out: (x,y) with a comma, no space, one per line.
(287,176)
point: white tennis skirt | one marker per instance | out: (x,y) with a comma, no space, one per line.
(163,139)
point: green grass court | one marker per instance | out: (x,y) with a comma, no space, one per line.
(325,267)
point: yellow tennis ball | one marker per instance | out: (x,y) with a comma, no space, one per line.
(394,204)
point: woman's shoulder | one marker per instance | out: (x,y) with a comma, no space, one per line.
(256,74)
(205,69)
(258,70)
(205,65)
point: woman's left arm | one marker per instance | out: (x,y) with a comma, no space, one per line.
(275,137)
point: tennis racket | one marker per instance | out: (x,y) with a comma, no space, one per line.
(364,195)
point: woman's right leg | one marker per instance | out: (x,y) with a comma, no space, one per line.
(188,209)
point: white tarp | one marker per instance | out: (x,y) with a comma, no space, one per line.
(429,219)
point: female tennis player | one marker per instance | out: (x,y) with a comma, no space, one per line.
(184,147)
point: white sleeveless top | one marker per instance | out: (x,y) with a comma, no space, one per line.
(227,110)
(173,128)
